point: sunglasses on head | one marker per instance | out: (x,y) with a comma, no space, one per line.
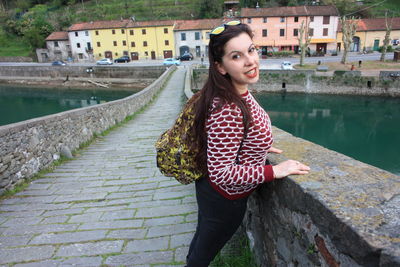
(221,28)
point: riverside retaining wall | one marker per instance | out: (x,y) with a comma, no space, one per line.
(145,72)
(343,213)
(309,81)
(29,146)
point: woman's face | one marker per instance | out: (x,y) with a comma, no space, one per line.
(240,61)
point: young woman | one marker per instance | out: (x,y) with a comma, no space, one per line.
(234,135)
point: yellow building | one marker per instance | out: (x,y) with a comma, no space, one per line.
(115,38)
(370,34)
(150,39)
(109,39)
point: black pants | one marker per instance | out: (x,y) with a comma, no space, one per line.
(218,220)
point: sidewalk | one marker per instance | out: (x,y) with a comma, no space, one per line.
(108,207)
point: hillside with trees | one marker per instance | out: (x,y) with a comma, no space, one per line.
(26,23)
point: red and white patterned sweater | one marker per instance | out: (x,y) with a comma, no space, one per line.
(233,173)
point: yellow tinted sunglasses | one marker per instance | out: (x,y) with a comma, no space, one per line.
(221,28)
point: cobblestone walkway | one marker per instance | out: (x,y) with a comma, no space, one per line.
(108,207)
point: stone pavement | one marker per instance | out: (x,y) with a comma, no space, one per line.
(108,207)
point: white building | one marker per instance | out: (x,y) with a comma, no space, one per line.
(81,45)
(193,36)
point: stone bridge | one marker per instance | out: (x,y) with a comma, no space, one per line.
(109,206)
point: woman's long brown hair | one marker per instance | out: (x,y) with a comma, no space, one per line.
(217,85)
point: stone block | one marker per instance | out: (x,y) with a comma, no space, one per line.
(89,249)
(22,254)
(152,244)
(156,257)
(72,237)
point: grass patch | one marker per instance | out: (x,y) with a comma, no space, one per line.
(244,258)
(11,46)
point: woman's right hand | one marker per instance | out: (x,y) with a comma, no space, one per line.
(289,167)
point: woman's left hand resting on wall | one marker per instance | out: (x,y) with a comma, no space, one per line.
(287,167)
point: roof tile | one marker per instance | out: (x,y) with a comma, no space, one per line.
(54,36)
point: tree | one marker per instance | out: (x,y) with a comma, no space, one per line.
(349,27)
(387,36)
(304,40)
(210,9)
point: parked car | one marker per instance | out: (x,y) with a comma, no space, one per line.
(59,63)
(186,56)
(104,61)
(286,65)
(171,61)
(122,59)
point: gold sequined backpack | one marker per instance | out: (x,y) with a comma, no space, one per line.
(177,147)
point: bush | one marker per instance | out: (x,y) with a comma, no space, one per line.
(388,49)
(280,54)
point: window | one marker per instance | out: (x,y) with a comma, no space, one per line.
(99,54)
(122,31)
(115,43)
(97,32)
(282,19)
(183,36)
(113,31)
(325,32)
(197,35)
(86,33)
(207,35)
(116,53)
(146,53)
(144,43)
(98,44)
(143,31)
(265,20)
(78,45)
(264,33)
(312,18)
(295,32)
(131,32)
(326,20)
(76,34)
(133,44)
(248,20)
(124,43)
(166,42)
(165,30)
(282,32)
(89,46)
(311,32)
(296,19)
(55,44)
(80,55)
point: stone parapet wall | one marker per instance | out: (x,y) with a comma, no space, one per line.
(344,213)
(145,72)
(29,146)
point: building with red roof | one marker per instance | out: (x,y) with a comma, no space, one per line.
(370,34)
(58,48)
(277,28)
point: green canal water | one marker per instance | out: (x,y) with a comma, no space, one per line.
(364,128)
(23,103)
